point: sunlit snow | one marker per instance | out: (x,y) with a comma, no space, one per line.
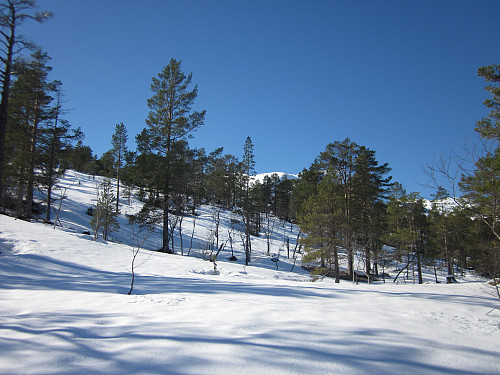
(65,310)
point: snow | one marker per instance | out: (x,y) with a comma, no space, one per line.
(65,310)
(261,176)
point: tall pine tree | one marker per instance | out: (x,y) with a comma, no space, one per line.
(248,168)
(170,120)
(12,14)
(119,142)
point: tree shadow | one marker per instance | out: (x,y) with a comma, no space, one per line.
(100,343)
(37,272)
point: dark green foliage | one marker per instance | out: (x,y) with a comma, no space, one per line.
(57,138)
(169,122)
(38,138)
(304,187)
(248,169)
(321,219)
(119,142)
(347,179)
(104,215)
(81,159)
(12,14)
(369,190)
(489,127)
(222,179)
(482,187)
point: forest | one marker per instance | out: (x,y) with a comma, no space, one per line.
(345,200)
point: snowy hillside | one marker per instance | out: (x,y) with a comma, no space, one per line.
(79,190)
(65,309)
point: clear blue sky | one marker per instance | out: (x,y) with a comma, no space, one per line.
(399,77)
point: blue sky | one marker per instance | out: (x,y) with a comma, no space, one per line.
(399,77)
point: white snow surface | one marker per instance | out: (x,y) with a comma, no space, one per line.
(261,176)
(65,310)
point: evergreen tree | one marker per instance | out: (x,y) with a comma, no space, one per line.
(105,165)
(222,178)
(170,120)
(338,158)
(119,142)
(321,221)
(197,181)
(305,187)
(30,114)
(12,14)
(407,228)
(216,176)
(57,138)
(369,190)
(81,159)
(282,195)
(482,194)
(104,214)
(482,187)
(248,168)
(489,127)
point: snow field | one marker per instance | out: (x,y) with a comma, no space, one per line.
(65,310)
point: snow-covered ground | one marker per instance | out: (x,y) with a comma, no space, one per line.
(65,310)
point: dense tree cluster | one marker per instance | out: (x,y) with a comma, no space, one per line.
(347,206)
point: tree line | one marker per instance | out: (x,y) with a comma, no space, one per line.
(347,206)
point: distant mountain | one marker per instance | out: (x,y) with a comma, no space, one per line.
(260,177)
(446,204)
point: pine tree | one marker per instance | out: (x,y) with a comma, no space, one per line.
(222,178)
(305,187)
(338,158)
(57,138)
(248,168)
(407,227)
(321,221)
(119,140)
(489,127)
(30,115)
(104,214)
(482,187)
(81,158)
(12,14)
(282,195)
(171,119)
(369,189)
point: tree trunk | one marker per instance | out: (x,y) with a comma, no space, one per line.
(4,103)
(449,262)
(368,264)
(31,173)
(165,237)
(336,264)
(118,184)
(51,168)
(419,267)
